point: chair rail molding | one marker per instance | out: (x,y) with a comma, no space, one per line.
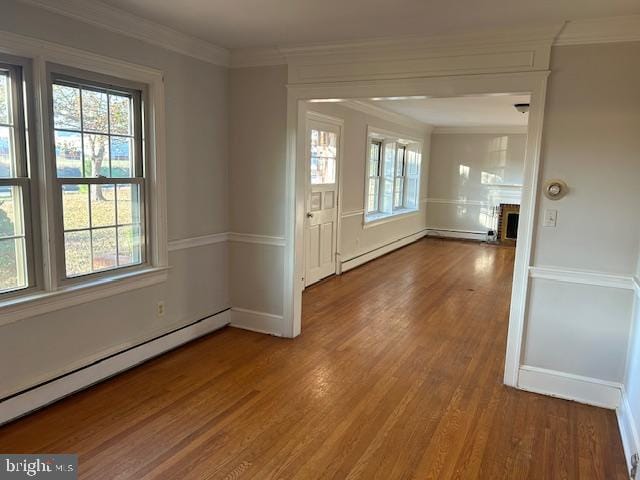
(259,239)
(215,238)
(584,277)
(198,241)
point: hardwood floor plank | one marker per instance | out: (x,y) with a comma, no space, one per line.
(397,375)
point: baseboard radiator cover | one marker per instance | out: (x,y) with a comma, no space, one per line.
(362,258)
(48,392)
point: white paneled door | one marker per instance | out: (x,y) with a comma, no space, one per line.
(323,148)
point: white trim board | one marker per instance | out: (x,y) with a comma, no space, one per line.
(52,391)
(362,258)
(483,130)
(584,277)
(446,201)
(225,237)
(260,239)
(590,391)
(198,241)
(388,115)
(627,426)
(125,23)
(255,321)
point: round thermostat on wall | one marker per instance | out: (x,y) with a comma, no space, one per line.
(555,189)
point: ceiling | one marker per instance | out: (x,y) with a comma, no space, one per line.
(268,23)
(478,111)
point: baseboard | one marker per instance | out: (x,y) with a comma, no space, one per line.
(49,392)
(255,321)
(590,391)
(452,233)
(627,427)
(379,251)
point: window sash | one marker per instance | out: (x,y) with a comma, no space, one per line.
(377,177)
(19,81)
(400,178)
(138,174)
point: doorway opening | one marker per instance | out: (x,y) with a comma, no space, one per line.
(300,97)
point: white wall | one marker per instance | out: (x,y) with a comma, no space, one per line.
(459,197)
(591,141)
(258,118)
(356,239)
(38,348)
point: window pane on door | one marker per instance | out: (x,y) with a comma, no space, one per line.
(323,157)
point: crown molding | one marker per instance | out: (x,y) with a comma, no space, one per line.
(113,19)
(387,115)
(600,30)
(256,57)
(574,32)
(501,130)
(397,47)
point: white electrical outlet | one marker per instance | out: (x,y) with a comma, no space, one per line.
(550,218)
(160,309)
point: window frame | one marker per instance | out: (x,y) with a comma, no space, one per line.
(397,141)
(60,74)
(26,175)
(48,293)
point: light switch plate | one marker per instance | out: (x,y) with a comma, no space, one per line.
(550,217)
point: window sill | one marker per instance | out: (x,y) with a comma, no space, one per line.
(375,219)
(39,303)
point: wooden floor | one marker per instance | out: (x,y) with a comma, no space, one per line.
(397,374)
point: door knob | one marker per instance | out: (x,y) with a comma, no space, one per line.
(309,215)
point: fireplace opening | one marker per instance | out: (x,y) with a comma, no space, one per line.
(512,225)
(509,216)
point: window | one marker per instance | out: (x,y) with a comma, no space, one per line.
(17,270)
(375,161)
(83,217)
(393,175)
(399,178)
(99,170)
(323,157)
